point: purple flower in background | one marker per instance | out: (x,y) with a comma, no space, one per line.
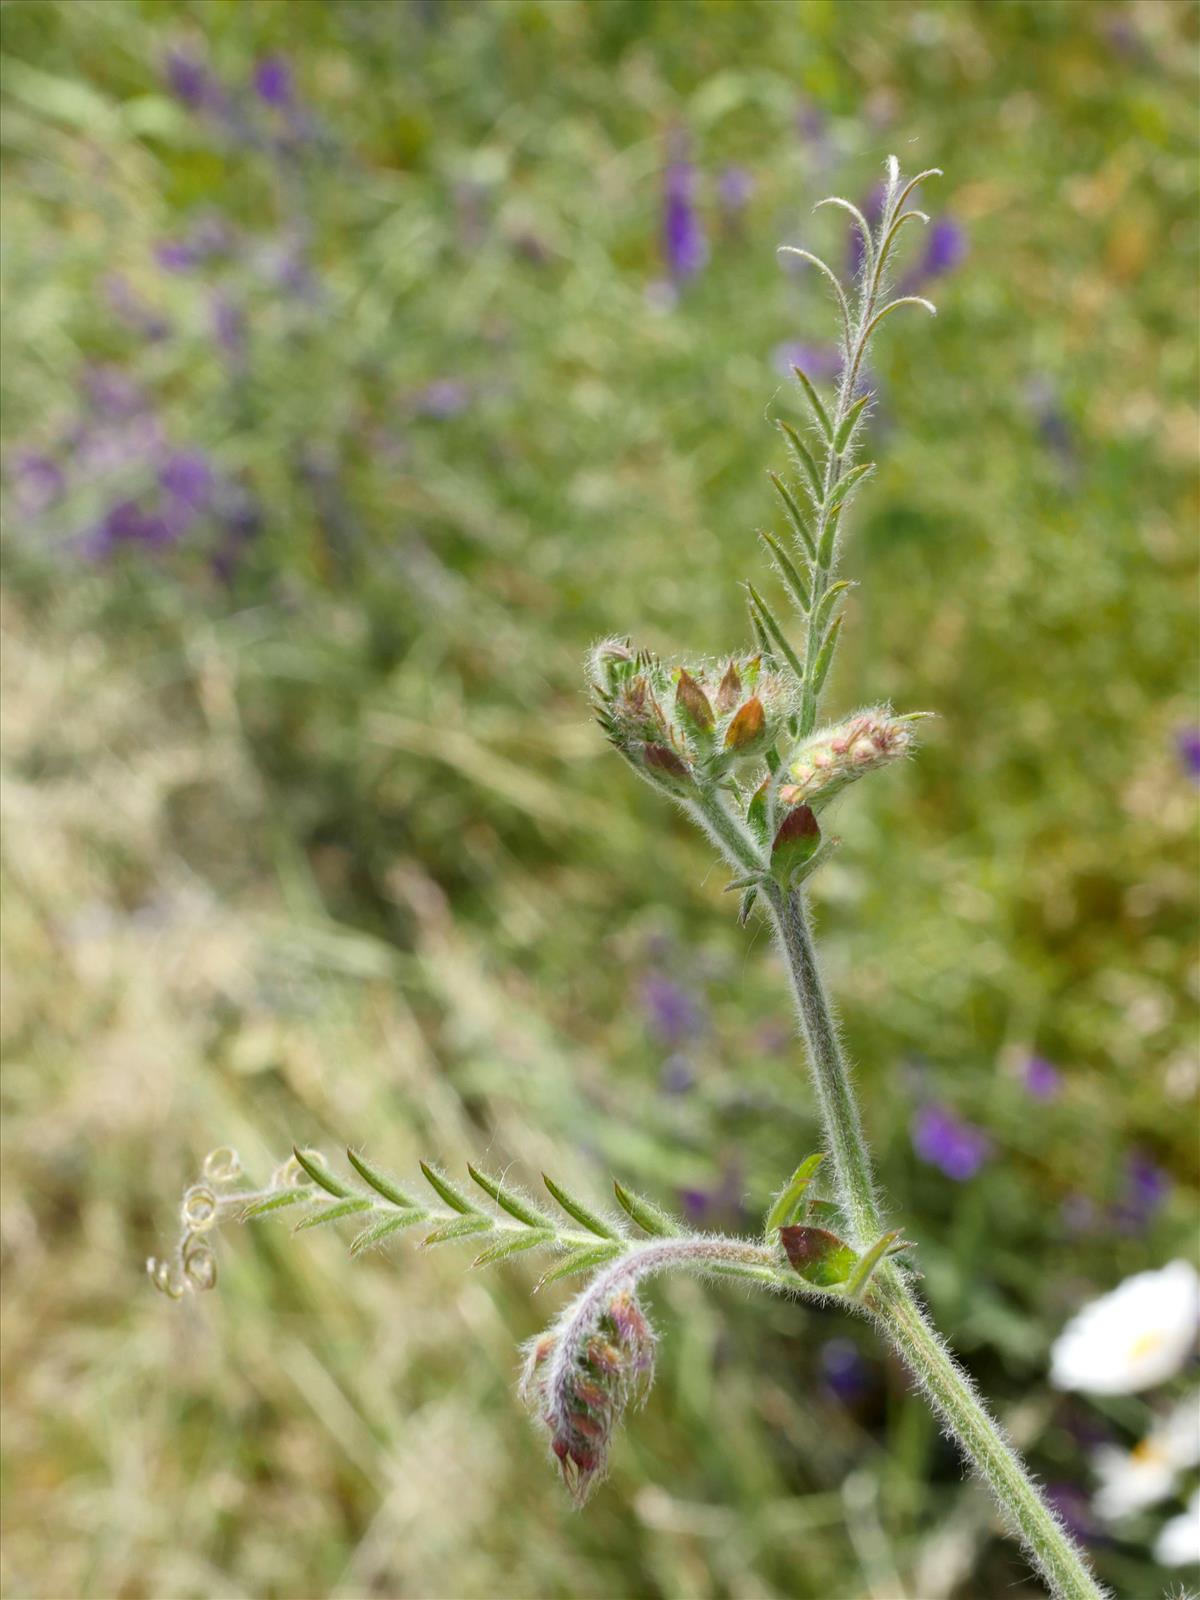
(735,189)
(190,80)
(945,247)
(133,310)
(174,256)
(112,393)
(773,1036)
(129,523)
(943,1140)
(1121,33)
(443,398)
(810,120)
(724,1200)
(685,249)
(37,482)
(812,129)
(1051,420)
(677,1075)
(843,1371)
(1078,1213)
(187,476)
(821,362)
(1072,1505)
(1187,742)
(273,81)
(1145,1191)
(1042,1078)
(228,324)
(242,523)
(674,1014)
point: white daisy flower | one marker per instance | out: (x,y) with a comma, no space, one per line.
(1139,1335)
(1133,1479)
(1178,1542)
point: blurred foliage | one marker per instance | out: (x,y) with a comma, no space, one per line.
(307,837)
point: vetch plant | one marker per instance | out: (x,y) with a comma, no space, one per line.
(736,741)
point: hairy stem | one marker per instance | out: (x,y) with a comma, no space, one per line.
(892,1301)
(953,1397)
(727,832)
(839,1110)
(822,572)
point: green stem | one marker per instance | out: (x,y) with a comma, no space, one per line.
(950,1392)
(891,1301)
(839,1110)
(726,831)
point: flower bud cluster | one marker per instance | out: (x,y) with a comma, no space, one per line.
(833,757)
(683,726)
(580,1376)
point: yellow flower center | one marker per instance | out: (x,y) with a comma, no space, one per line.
(1144,1345)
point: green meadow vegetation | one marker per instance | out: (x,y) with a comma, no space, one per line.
(363,365)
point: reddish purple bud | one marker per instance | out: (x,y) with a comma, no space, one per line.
(796,842)
(693,702)
(730,690)
(581,1375)
(666,763)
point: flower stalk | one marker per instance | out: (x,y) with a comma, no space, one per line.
(734,741)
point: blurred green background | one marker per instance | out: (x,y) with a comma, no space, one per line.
(348,397)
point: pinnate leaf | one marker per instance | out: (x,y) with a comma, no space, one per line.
(645,1213)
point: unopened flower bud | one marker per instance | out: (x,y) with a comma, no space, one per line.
(692,701)
(665,764)
(746,733)
(833,757)
(607,660)
(689,712)
(796,842)
(580,1376)
(729,694)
